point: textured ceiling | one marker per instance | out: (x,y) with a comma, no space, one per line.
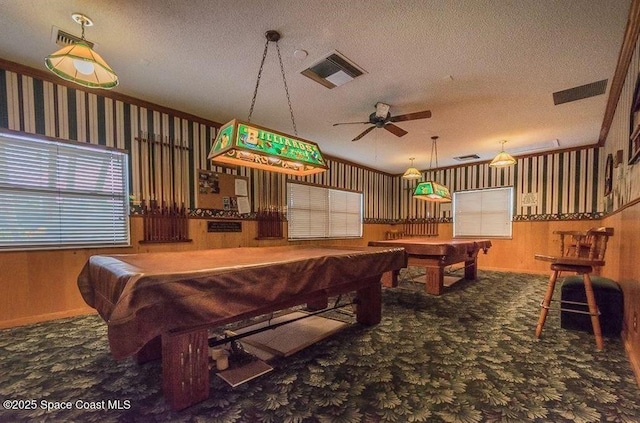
(487,70)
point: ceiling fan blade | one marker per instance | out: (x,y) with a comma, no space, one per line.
(350,123)
(395,130)
(411,116)
(365,132)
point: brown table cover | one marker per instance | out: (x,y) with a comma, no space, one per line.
(430,247)
(141,296)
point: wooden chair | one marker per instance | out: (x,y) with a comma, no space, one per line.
(580,252)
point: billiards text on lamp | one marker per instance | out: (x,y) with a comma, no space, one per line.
(245,144)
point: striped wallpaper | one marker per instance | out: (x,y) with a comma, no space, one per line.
(269,187)
(558,186)
(41,107)
(546,187)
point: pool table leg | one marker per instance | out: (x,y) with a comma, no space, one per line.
(471,269)
(185,368)
(390,279)
(369,306)
(434,278)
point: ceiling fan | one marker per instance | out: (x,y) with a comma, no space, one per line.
(382,118)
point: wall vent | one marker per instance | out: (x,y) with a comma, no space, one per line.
(578,93)
(333,71)
(64,39)
(467,157)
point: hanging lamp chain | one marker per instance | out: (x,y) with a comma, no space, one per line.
(255,91)
(284,80)
(434,149)
(286,90)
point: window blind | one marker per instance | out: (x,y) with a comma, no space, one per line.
(320,212)
(61,195)
(485,213)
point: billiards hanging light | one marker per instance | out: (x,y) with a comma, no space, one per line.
(431,190)
(78,62)
(246,144)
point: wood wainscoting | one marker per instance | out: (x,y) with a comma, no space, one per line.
(622,266)
(41,285)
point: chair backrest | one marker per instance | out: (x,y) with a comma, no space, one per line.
(592,245)
(598,238)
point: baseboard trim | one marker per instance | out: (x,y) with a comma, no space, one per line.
(5,324)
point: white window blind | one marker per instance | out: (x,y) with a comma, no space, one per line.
(61,195)
(319,212)
(483,213)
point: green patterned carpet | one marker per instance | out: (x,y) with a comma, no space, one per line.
(467,356)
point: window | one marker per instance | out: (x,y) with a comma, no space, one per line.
(485,213)
(319,212)
(61,195)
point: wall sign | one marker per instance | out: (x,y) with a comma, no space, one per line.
(224,226)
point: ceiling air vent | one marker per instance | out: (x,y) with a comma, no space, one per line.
(578,93)
(333,71)
(63,39)
(467,157)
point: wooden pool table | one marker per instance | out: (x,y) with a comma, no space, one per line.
(434,256)
(161,305)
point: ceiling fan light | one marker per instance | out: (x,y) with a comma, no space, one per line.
(382,110)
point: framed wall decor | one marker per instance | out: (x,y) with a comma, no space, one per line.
(608,177)
(634,138)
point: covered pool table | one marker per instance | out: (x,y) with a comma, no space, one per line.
(163,304)
(434,256)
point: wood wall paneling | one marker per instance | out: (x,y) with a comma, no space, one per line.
(42,285)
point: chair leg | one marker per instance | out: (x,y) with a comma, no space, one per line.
(544,307)
(593,310)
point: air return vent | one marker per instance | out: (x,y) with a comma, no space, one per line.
(333,71)
(63,39)
(467,157)
(578,93)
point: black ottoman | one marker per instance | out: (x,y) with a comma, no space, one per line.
(608,297)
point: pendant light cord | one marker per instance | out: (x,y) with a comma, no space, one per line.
(434,148)
(284,79)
